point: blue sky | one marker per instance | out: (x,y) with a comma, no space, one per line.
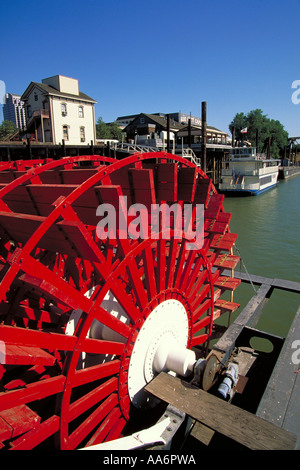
(165,56)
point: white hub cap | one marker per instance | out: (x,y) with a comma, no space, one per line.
(160,346)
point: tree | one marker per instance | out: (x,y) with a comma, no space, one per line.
(115,131)
(108,131)
(102,131)
(256,121)
(7,128)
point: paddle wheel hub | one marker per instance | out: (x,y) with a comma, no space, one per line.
(97,296)
(160,345)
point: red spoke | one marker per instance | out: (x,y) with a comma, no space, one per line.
(201,339)
(116,422)
(112,322)
(111,427)
(92,398)
(180,264)
(96,346)
(134,276)
(193,276)
(202,308)
(149,273)
(172,261)
(100,371)
(118,289)
(53,285)
(187,269)
(161,265)
(92,421)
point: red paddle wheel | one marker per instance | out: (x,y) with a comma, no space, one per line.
(88,319)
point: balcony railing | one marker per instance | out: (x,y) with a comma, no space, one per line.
(38,113)
(41,113)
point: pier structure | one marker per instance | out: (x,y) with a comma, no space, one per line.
(262,411)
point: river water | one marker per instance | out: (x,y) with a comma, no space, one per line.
(268,228)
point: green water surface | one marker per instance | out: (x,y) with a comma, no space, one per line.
(268,228)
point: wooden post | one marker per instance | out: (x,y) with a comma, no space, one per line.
(233,137)
(168,134)
(204,135)
(64,148)
(7,154)
(29,151)
(190,133)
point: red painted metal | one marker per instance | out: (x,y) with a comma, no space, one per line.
(51,257)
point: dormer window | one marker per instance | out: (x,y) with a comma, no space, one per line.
(63,109)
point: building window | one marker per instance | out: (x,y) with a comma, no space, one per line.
(63,109)
(29,111)
(35,97)
(80,111)
(82,134)
(65,133)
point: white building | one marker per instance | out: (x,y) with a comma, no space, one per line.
(13,110)
(56,110)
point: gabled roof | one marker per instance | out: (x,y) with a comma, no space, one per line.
(160,120)
(49,90)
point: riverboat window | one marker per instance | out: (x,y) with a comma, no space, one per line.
(65,133)
(63,109)
(80,111)
(265,180)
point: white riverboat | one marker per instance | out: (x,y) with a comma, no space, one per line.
(248,173)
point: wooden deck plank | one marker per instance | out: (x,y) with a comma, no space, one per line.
(280,402)
(245,428)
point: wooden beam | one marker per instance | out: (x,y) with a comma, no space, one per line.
(283,284)
(245,428)
(248,317)
(280,402)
